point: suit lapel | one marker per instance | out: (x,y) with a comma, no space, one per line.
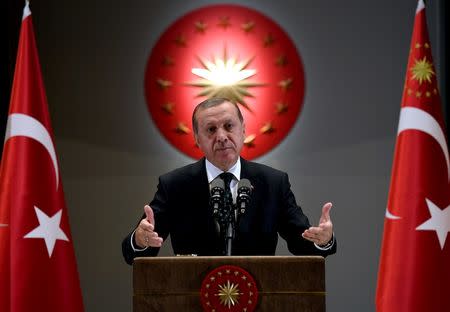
(251,214)
(199,187)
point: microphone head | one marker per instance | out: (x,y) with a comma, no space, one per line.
(245,183)
(217,183)
(243,197)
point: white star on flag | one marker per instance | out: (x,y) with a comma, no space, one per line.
(48,229)
(439,222)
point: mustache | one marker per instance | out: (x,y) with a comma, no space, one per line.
(219,147)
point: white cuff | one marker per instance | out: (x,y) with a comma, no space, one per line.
(132,245)
(328,246)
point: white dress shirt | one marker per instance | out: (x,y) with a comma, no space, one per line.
(213,172)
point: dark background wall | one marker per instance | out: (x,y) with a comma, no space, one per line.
(93,56)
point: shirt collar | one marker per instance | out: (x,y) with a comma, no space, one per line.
(213,172)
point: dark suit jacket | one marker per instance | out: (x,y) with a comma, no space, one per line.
(181,209)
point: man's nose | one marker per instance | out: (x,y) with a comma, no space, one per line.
(221,135)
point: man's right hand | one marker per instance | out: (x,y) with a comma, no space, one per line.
(145,236)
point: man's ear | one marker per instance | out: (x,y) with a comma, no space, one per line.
(196,139)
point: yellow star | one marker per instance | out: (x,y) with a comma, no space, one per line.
(285,84)
(281,108)
(248,27)
(224,21)
(163,84)
(225,77)
(168,108)
(200,26)
(182,128)
(167,61)
(267,128)
(268,40)
(180,41)
(249,141)
(422,70)
(229,294)
(281,60)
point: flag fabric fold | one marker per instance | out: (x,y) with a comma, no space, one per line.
(38,269)
(414,267)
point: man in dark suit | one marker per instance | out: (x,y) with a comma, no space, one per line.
(181,204)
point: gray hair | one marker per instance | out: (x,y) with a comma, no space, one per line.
(211,102)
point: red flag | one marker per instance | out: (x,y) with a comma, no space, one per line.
(37,262)
(414,271)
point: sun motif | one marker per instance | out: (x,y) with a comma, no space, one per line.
(226,51)
(422,70)
(229,294)
(225,77)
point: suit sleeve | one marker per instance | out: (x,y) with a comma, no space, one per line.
(293,222)
(160,205)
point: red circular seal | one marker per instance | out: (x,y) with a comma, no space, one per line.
(229,288)
(229,51)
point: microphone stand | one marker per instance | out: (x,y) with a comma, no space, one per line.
(229,236)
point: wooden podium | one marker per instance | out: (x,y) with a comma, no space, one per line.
(284,283)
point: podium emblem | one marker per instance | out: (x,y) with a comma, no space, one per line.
(229,288)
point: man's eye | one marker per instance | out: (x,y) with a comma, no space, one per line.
(229,126)
(211,129)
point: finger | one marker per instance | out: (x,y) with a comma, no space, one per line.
(326,212)
(153,235)
(149,213)
(315,238)
(145,225)
(155,242)
(314,230)
(150,240)
(311,237)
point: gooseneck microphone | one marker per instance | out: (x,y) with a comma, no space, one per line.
(216,198)
(243,196)
(216,202)
(227,214)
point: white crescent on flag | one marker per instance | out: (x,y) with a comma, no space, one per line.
(27,126)
(412,118)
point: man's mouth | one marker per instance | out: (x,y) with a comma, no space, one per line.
(219,149)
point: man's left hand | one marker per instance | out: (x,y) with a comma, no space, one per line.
(322,234)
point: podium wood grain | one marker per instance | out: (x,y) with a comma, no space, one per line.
(285,283)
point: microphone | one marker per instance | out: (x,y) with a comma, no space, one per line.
(243,195)
(216,199)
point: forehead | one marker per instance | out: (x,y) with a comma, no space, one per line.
(219,113)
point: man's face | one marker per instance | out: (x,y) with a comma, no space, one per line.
(220,134)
